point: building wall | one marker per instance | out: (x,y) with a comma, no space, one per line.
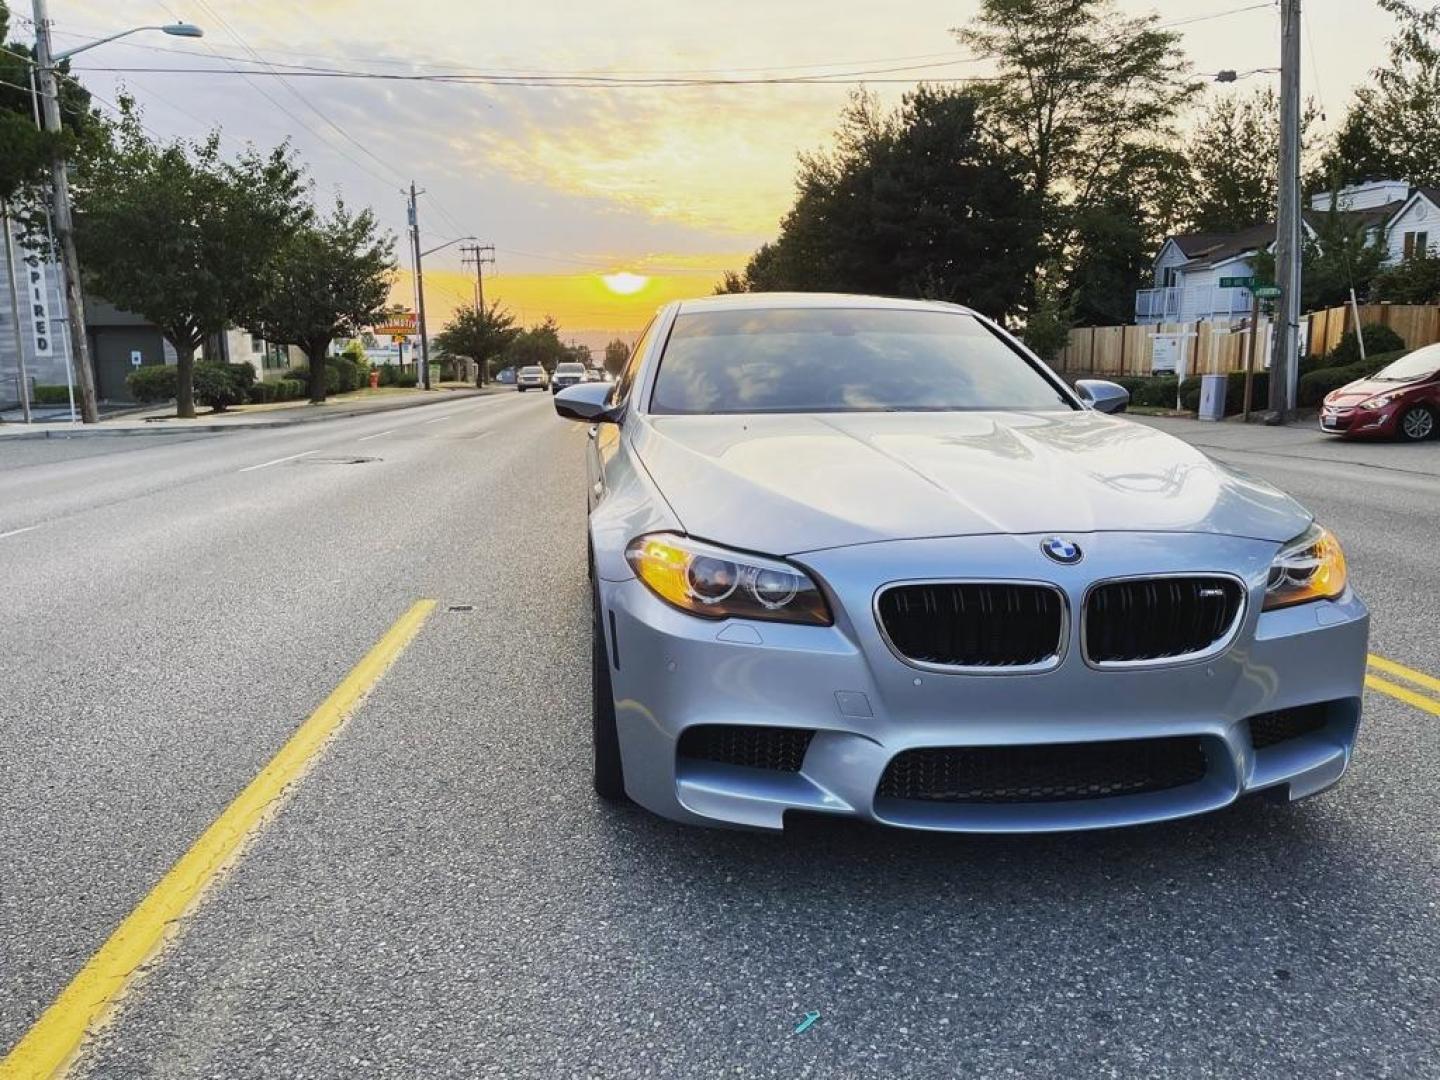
(1363,196)
(42,370)
(1420,216)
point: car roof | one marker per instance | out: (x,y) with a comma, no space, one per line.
(773,301)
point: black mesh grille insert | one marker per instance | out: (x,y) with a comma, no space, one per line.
(774,748)
(979,624)
(1158,618)
(1040,774)
(1270,728)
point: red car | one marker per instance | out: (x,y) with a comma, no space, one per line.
(1402,400)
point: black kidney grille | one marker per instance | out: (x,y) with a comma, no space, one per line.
(1058,772)
(775,748)
(1158,618)
(973,624)
(1270,728)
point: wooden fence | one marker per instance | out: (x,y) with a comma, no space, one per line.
(1212,347)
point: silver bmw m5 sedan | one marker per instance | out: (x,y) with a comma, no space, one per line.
(872,558)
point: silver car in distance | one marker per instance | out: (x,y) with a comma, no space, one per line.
(872,558)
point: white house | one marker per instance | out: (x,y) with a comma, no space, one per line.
(1203,276)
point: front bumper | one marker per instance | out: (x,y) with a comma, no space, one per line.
(866,705)
(1358,423)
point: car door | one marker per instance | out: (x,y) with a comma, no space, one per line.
(605,438)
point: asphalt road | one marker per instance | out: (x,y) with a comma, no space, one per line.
(442,896)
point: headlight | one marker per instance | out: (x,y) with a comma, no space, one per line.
(1378,402)
(1310,567)
(716,583)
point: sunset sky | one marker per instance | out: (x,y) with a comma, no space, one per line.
(571,183)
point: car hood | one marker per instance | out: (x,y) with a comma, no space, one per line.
(801,482)
(1364,389)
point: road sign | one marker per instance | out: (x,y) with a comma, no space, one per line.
(1268,292)
(1236,282)
(136,358)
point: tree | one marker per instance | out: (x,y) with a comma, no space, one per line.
(538,345)
(1392,129)
(1340,257)
(1415,280)
(1234,161)
(179,236)
(331,278)
(1080,91)
(916,202)
(26,151)
(617,352)
(480,336)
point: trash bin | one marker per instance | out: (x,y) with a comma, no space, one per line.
(1212,397)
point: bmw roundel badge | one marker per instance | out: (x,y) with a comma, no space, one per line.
(1058,549)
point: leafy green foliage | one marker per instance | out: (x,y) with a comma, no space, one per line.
(187,240)
(1234,392)
(616,353)
(1378,339)
(1047,330)
(1234,161)
(221,385)
(481,336)
(1392,128)
(917,202)
(1339,258)
(49,394)
(330,278)
(1415,280)
(1154,391)
(151,383)
(538,345)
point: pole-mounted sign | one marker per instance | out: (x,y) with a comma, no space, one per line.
(39,313)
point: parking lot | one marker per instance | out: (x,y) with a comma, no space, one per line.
(438,892)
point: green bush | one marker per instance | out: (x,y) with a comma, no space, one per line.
(219,385)
(1378,339)
(262,392)
(1315,385)
(151,383)
(332,377)
(46,394)
(406,379)
(242,375)
(288,389)
(387,374)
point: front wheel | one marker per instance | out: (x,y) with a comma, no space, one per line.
(1416,424)
(609,770)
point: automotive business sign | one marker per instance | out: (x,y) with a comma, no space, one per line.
(39,314)
(400,323)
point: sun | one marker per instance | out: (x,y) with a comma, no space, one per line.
(625,283)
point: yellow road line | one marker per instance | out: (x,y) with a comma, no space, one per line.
(48,1048)
(1400,671)
(1395,690)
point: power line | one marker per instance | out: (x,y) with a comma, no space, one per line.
(1213,15)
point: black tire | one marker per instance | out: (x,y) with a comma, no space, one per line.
(609,770)
(1415,424)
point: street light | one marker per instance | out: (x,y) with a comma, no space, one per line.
(45,64)
(175,29)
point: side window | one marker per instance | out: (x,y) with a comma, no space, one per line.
(621,393)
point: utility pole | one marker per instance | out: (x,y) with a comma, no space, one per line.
(419,288)
(479,254)
(64,227)
(1284,365)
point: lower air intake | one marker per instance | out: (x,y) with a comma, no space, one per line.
(774,748)
(1041,774)
(1272,728)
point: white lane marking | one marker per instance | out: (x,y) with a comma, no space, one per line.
(17,532)
(277,461)
(438,419)
(367,438)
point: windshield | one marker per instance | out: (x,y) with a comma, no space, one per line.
(532,371)
(570,369)
(843,360)
(1417,365)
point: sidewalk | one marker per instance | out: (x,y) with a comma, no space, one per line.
(1302,439)
(162,420)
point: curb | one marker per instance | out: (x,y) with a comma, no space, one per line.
(69,432)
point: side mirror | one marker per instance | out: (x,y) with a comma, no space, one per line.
(1103,395)
(586,402)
